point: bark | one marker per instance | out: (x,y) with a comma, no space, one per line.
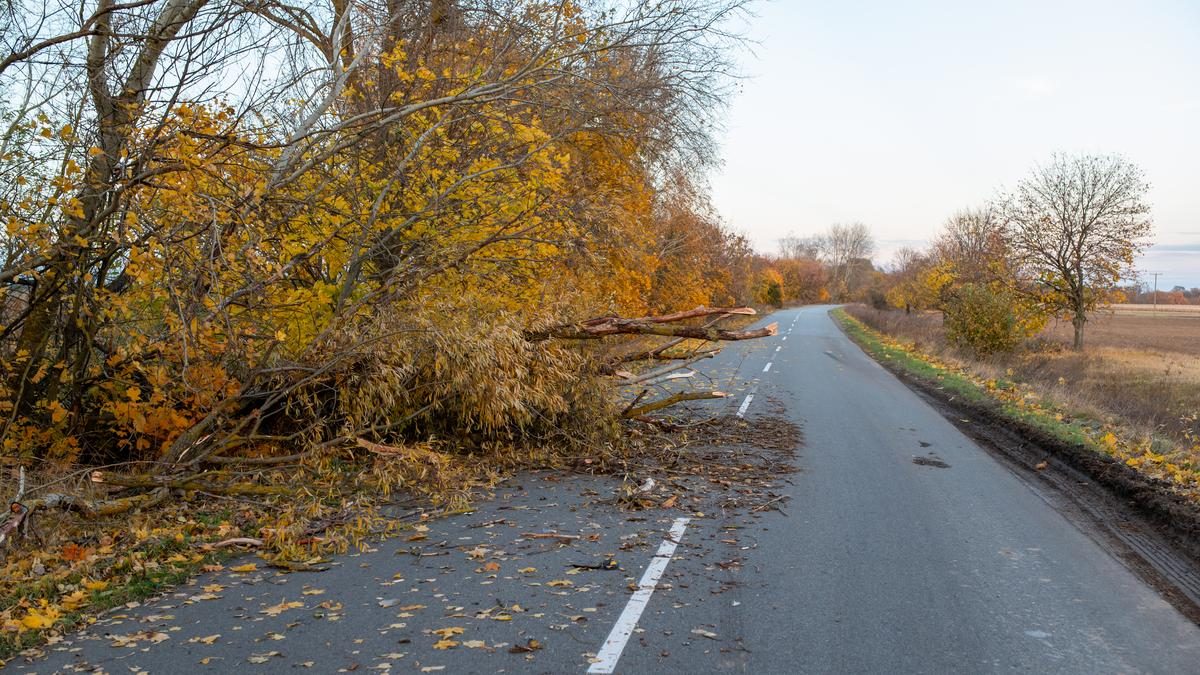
(603,326)
(637,327)
(695,313)
(21,514)
(672,400)
(606,326)
(197,482)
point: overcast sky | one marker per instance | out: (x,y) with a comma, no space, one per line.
(899,113)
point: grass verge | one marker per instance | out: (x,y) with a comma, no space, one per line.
(1020,406)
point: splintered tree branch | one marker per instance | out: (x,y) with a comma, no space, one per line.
(665,326)
(198,482)
(690,314)
(672,400)
(618,326)
(662,351)
(604,326)
(159,489)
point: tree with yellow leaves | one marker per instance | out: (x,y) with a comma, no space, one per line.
(200,267)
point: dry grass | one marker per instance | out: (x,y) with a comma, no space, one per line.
(1138,371)
(1172,329)
(1194,310)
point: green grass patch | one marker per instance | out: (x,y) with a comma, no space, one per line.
(1075,430)
(132,581)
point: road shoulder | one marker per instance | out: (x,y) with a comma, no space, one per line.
(1154,531)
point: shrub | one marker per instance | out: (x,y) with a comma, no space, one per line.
(774,295)
(878,299)
(987,319)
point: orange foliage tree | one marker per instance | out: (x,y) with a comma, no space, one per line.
(349,243)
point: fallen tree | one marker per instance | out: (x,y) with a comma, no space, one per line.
(665,325)
(657,325)
(205,462)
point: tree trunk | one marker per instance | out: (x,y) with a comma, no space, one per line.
(1078,320)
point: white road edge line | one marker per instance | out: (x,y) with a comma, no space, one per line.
(610,652)
(745,404)
(777,348)
(766,367)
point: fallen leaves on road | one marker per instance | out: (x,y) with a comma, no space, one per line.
(132,640)
(262,658)
(276,610)
(531,645)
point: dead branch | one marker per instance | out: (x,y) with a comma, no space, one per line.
(619,326)
(636,400)
(662,352)
(17,514)
(236,541)
(693,314)
(198,482)
(604,326)
(672,400)
(104,509)
(550,535)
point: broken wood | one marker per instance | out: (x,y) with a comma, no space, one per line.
(18,512)
(618,326)
(236,541)
(698,312)
(550,535)
(604,326)
(17,515)
(672,400)
(662,352)
(200,482)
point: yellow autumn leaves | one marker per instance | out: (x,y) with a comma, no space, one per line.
(42,614)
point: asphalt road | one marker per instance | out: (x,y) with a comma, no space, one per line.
(880,565)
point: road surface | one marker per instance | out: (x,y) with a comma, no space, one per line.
(880,565)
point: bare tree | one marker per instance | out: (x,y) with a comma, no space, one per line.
(1075,226)
(841,246)
(799,248)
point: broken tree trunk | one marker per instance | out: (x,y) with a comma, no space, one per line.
(655,325)
(672,400)
(665,325)
(618,326)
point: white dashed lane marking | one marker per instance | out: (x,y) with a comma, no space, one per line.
(610,652)
(745,404)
